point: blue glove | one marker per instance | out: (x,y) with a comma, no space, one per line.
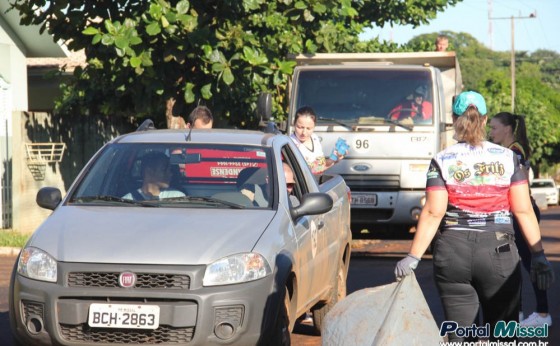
(341,147)
(406,266)
(541,270)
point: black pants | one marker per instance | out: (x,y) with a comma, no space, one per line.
(470,274)
(525,254)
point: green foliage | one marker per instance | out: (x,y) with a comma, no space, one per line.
(13,238)
(223,54)
(549,63)
(536,99)
(537,88)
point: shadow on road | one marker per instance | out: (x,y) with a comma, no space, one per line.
(5,334)
(550,217)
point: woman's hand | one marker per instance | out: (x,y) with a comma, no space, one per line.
(338,155)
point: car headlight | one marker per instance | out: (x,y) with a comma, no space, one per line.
(37,264)
(236,269)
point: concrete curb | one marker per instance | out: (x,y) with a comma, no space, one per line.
(9,251)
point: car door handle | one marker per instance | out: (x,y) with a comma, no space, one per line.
(320,224)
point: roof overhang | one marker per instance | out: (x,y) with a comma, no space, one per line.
(28,39)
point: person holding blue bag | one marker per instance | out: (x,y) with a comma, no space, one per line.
(309,144)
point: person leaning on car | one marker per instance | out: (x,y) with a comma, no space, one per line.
(156,176)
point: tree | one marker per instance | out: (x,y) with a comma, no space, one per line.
(474,58)
(222,53)
(549,63)
(535,99)
(537,88)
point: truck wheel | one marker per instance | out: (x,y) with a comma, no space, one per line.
(338,292)
(281,333)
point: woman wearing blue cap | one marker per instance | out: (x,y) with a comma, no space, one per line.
(473,190)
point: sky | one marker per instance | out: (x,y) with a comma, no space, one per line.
(472,17)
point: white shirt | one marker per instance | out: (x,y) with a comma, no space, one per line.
(315,158)
(162,194)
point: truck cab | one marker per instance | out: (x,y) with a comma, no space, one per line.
(372,100)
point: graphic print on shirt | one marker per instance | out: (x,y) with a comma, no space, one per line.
(477,180)
(315,158)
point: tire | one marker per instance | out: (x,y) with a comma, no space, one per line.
(282,333)
(338,292)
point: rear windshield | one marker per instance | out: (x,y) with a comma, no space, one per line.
(178,175)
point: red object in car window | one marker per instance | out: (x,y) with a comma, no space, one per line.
(219,165)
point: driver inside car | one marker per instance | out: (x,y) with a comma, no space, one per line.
(414,107)
(156,176)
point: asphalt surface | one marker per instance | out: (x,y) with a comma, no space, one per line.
(372,265)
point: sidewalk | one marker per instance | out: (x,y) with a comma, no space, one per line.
(9,251)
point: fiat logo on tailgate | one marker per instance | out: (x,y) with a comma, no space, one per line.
(127,279)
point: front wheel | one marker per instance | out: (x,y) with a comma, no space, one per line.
(338,292)
(281,334)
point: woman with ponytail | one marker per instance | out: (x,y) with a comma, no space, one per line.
(509,130)
(474,189)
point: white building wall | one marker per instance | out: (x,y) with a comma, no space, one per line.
(13,70)
(27,215)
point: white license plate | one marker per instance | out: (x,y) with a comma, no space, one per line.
(364,199)
(123,316)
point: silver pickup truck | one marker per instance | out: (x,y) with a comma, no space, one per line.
(172,237)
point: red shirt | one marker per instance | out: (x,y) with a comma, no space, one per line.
(405,110)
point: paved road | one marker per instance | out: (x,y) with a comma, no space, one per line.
(374,261)
(371,266)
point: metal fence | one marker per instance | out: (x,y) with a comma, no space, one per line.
(6,154)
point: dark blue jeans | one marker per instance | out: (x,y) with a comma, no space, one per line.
(471,274)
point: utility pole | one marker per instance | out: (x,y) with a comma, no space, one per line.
(490,23)
(512,18)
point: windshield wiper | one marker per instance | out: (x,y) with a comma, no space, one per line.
(204,199)
(336,121)
(109,198)
(373,120)
(404,126)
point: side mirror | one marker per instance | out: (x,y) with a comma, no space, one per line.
(48,197)
(264,111)
(264,106)
(313,203)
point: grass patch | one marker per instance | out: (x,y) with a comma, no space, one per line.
(13,238)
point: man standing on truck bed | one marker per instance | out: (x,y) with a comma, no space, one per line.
(413,106)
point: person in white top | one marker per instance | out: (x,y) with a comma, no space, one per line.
(308,143)
(156,174)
